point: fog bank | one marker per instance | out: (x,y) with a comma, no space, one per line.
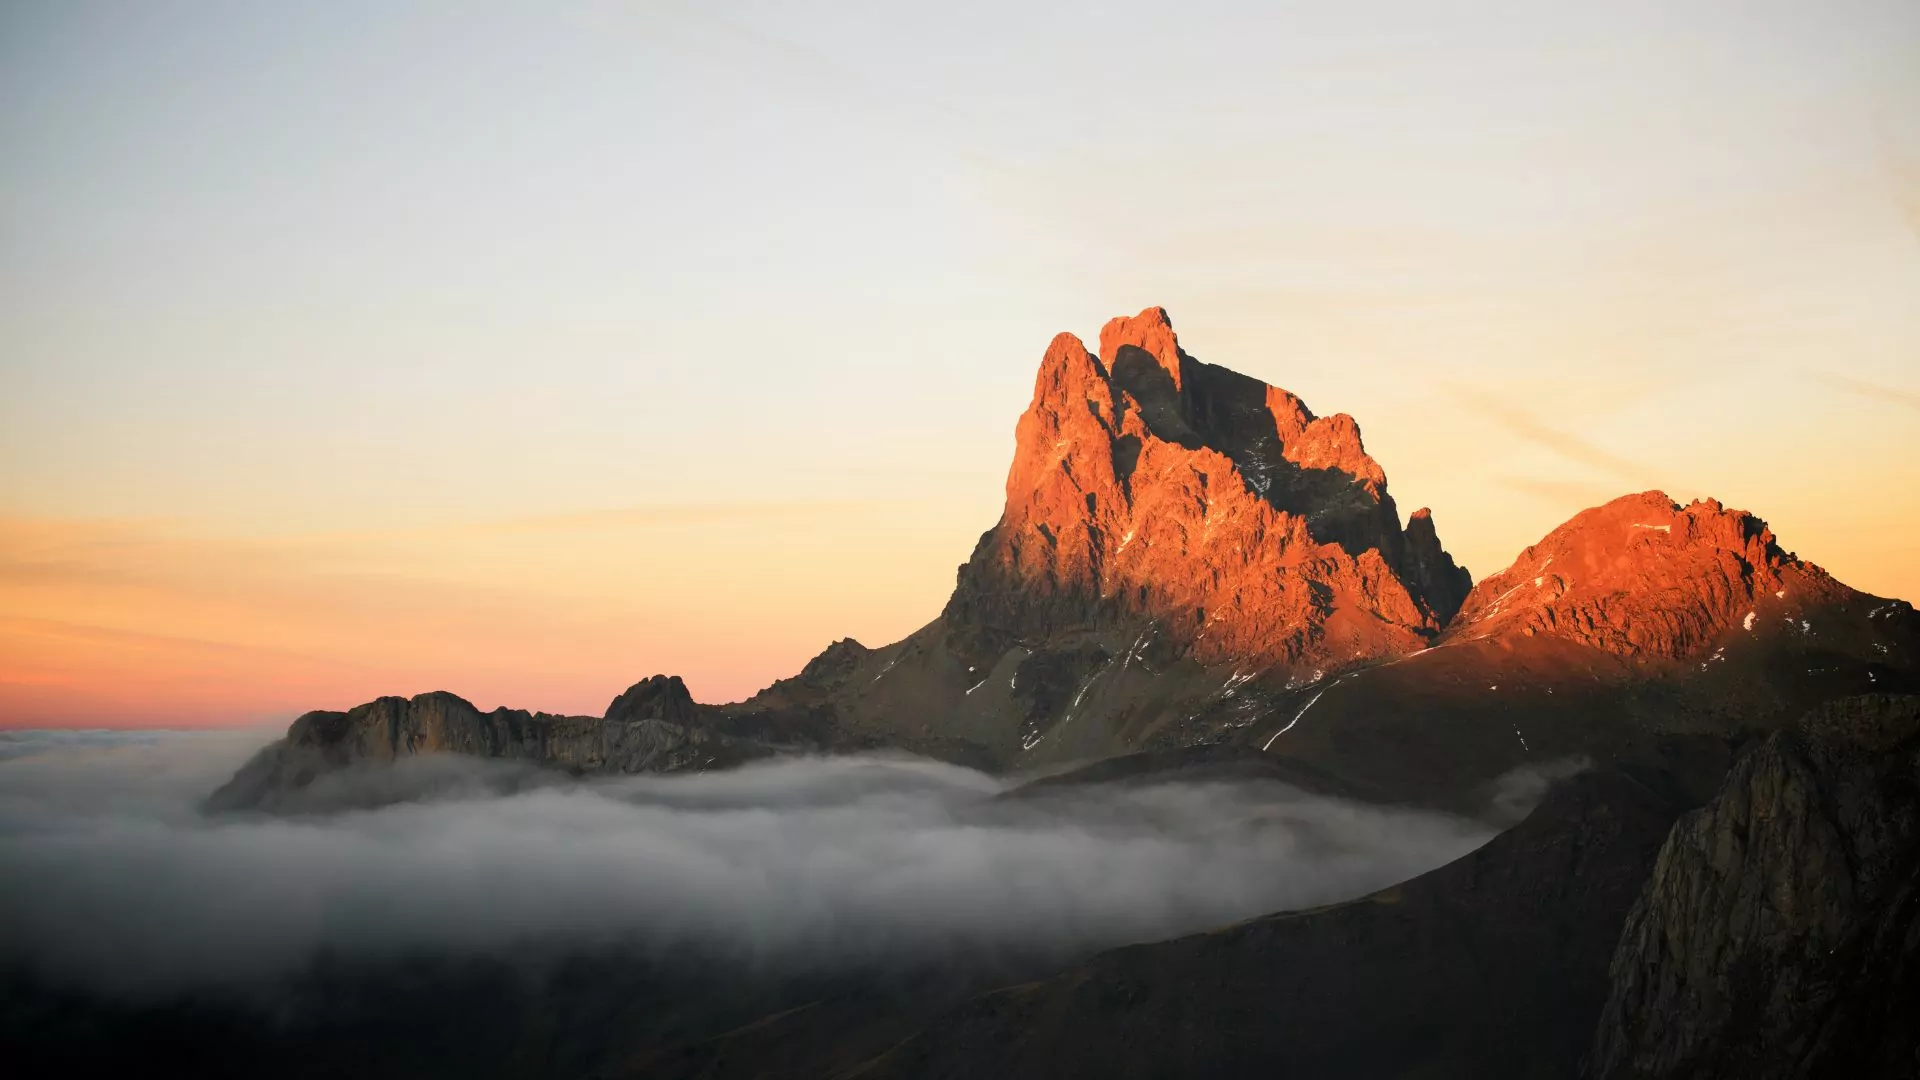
(115,881)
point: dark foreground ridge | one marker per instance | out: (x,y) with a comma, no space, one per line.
(1494,965)
(1779,934)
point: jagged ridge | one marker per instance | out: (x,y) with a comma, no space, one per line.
(654,726)
(1150,486)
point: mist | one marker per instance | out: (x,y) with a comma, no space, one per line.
(116,882)
(1517,791)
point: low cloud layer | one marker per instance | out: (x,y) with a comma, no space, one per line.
(115,881)
(1518,791)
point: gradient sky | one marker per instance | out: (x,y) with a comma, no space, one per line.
(361,348)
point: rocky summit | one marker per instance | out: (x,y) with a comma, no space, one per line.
(1638,633)
(1150,489)
(1646,579)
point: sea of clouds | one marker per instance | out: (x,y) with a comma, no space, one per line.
(116,881)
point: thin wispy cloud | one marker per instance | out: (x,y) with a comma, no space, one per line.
(687,514)
(904,116)
(60,629)
(144,621)
(1526,425)
(53,548)
(1872,391)
(1901,167)
(1559,492)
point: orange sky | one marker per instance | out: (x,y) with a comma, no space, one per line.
(118,622)
(526,356)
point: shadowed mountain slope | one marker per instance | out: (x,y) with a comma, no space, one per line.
(1494,965)
(1779,935)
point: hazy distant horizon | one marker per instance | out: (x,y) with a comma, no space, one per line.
(350,350)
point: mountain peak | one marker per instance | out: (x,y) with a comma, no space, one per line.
(1151,332)
(658,697)
(1644,577)
(1148,487)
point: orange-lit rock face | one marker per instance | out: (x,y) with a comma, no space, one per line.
(1151,332)
(1149,485)
(1644,577)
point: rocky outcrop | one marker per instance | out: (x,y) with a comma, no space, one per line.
(1430,570)
(1645,578)
(655,726)
(819,679)
(1150,488)
(662,697)
(1779,935)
